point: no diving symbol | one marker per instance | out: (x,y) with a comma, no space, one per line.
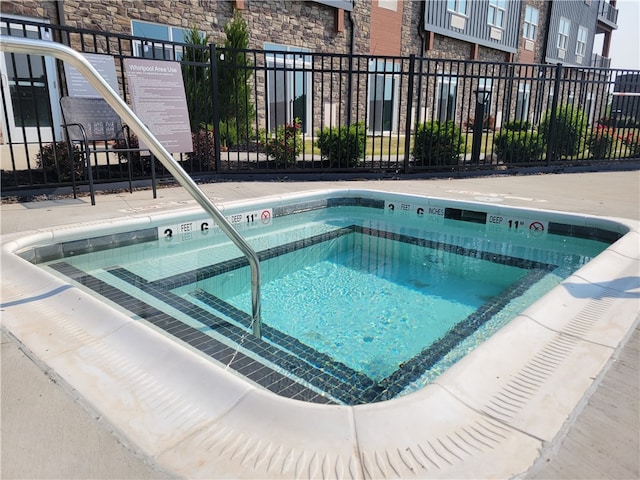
(536,229)
(265,217)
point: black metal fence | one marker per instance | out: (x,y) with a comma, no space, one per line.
(283,112)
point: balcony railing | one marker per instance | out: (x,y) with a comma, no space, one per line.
(608,13)
(599,61)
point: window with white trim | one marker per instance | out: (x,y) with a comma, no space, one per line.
(388,4)
(382,112)
(563,33)
(446,97)
(458,6)
(288,86)
(155,35)
(581,44)
(497,13)
(522,101)
(530,26)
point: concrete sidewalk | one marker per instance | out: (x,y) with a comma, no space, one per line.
(48,432)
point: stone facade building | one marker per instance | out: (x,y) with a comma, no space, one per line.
(492,31)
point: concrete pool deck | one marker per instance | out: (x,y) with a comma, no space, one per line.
(48,432)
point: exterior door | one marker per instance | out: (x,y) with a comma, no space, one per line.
(29,90)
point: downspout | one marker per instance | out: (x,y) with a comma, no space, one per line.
(351,53)
(64,35)
(421,27)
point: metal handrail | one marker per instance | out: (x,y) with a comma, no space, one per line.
(30,46)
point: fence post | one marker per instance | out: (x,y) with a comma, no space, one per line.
(213,59)
(407,122)
(552,121)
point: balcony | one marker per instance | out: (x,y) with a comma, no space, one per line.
(607,17)
(599,61)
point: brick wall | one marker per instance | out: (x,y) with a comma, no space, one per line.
(386,29)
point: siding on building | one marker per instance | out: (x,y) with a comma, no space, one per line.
(579,13)
(473,26)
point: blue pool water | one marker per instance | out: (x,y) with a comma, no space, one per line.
(371,303)
(359,304)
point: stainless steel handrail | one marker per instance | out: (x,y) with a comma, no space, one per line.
(40,47)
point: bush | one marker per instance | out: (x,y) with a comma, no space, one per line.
(488,123)
(622,122)
(203,153)
(437,143)
(517,126)
(139,165)
(518,146)
(342,146)
(600,143)
(632,141)
(55,159)
(285,146)
(569,131)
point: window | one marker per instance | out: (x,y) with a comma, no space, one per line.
(486,84)
(458,6)
(383,96)
(530,23)
(288,86)
(162,33)
(522,101)
(388,4)
(497,13)
(581,45)
(446,94)
(563,33)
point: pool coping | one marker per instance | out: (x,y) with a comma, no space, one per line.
(493,417)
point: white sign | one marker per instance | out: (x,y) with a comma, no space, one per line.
(158,98)
(78,86)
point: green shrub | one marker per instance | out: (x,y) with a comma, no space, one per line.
(600,143)
(517,126)
(285,145)
(437,143)
(343,146)
(518,146)
(55,159)
(229,133)
(569,130)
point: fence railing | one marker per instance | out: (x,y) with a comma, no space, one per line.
(289,112)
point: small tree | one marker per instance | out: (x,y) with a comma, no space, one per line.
(237,110)
(196,75)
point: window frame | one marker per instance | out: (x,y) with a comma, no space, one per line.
(529,23)
(167,51)
(581,44)
(497,13)
(563,36)
(458,7)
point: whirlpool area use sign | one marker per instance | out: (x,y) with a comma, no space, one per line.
(158,98)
